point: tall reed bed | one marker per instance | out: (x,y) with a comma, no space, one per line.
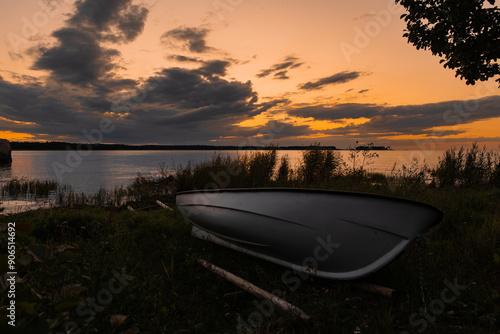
(466,168)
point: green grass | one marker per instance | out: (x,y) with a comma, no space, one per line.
(170,292)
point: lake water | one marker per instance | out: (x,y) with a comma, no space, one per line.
(110,169)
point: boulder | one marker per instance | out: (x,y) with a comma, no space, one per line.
(5,151)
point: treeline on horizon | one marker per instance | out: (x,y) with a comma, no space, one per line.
(61,146)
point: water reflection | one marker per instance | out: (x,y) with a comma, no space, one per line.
(5,172)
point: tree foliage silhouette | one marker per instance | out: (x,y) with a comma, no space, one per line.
(465,33)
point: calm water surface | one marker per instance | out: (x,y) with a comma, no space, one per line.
(110,169)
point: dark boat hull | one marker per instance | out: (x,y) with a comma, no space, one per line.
(330,234)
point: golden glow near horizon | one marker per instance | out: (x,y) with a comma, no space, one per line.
(489,128)
(323,37)
(9,135)
(16,122)
(486,132)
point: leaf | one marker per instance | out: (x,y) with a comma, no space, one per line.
(23,260)
(28,307)
(54,323)
(63,248)
(496,258)
(71,290)
(40,252)
(65,306)
(117,319)
(36,294)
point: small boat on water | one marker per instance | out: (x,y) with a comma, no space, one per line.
(330,234)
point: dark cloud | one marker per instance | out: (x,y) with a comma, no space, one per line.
(208,67)
(78,56)
(281,69)
(215,67)
(191,39)
(183,59)
(174,106)
(97,13)
(265,106)
(39,110)
(281,75)
(181,101)
(338,111)
(117,20)
(363,91)
(111,84)
(131,23)
(282,130)
(337,78)
(191,89)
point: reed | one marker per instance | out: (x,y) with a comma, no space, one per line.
(318,165)
(22,187)
(467,168)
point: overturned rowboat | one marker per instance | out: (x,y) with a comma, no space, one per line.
(330,234)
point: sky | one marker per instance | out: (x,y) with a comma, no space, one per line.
(231,72)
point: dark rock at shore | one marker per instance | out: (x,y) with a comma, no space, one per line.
(5,151)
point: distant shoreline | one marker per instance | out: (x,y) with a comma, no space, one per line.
(62,146)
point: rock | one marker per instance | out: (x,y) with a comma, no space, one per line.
(5,151)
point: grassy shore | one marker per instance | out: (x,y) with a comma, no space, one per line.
(91,265)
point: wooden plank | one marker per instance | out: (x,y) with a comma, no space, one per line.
(253,289)
(376,289)
(163,205)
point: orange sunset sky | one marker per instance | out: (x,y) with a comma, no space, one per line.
(231,72)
